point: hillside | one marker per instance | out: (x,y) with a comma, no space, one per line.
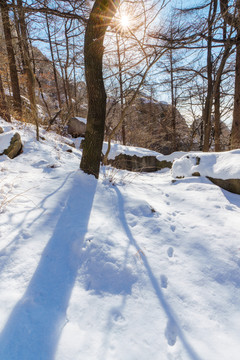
(132,266)
(149,125)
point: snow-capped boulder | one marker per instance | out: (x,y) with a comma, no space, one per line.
(139,164)
(223,169)
(77,127)
(10,144)
(138,159)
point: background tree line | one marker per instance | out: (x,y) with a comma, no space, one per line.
(189,57)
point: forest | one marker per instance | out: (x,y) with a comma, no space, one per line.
(179,66)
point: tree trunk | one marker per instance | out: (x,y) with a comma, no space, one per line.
(62,71)
(53,63)
(28,66)
(100,17)
(66,67)
(173,105)
(207,111)
(121,89)
(217,123)
(235,134)
(4,112)
(234,20)
(17,102)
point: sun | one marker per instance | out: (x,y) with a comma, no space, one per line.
(124,21)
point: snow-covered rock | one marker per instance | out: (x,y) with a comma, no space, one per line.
(77,126)
(10,144)
(224,165)
(221,168)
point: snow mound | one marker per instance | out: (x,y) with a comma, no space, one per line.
(117,149)
(224,165)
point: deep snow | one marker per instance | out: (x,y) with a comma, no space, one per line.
(130,267)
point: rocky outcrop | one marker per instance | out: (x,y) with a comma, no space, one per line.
(14,148)
(232,185)
(139,164)
(149,125)
(222,169)
(77,127)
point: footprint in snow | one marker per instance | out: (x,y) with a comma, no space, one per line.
(171,333)
(118,317)
(170,252)
(164,281)
(173,228)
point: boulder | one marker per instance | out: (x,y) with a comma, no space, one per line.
(232,185)
(77,127)
(10,144)
(139,164)
(1,130)
(222,168)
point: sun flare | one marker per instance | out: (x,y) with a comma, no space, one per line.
(124,21)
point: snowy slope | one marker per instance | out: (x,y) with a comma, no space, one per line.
(135,268)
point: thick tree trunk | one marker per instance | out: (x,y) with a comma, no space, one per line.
(17,102)
(235,134)
(100,17)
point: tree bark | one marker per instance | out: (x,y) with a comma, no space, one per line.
(53,63)
(217,117)
(17,102)
(173,105)
(207,112)
(234,20)
(28,66)
(235,134)
(4,112)
(100,17)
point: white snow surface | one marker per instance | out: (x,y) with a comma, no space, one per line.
(129,267)
(224,165)
(117,149)
(83,120)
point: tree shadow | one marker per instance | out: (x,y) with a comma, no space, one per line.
(41,205)
(173,328)
(35,324)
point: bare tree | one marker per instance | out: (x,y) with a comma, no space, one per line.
(233,19)
(101,15)
(28,68)
(17,102)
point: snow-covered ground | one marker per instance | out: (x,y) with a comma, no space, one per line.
(222,165)
(130,267)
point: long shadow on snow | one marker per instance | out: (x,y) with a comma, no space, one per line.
(41,206)
(172,319)
(34,326)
